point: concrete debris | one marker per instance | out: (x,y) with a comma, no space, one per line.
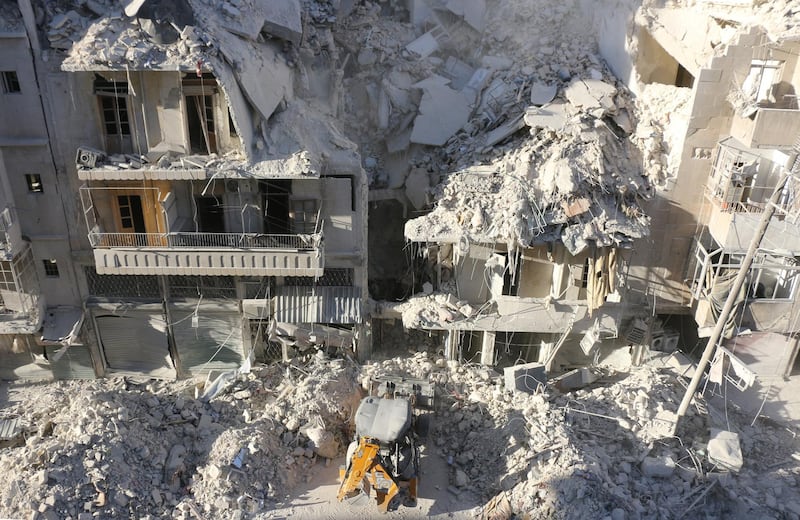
(552,116)
(282,18)
(588,451)
(592,95)
(724,450)
(543,93)
(442,112)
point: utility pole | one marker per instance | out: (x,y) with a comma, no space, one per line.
(730,301)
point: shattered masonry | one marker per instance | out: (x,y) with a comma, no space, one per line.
(561,192)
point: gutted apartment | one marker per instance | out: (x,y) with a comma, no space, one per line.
(525,257)
(748,170)
(739,142)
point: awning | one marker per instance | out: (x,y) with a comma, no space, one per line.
(62,325)
(300,304)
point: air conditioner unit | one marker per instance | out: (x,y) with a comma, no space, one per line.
(89,157)
(255,309)
(241,185)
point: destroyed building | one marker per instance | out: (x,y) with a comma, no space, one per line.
(213,166)
(207,211)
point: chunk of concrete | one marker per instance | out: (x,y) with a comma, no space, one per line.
(658,467)
(525,378)
(505,130)
(724,450)
(133,7)
(425,45)
(543,93)
(574,379)
(442,112)
(282,19)
(552,116)
(591,94)
(417,184)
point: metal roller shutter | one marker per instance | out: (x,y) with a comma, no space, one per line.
(135,343)
(76,363)
(215,344)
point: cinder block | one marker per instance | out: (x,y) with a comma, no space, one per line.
(525,378)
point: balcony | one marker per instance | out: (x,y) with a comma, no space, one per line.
(739,188)
(182,253)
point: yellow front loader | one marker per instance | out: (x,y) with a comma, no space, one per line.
(383,459)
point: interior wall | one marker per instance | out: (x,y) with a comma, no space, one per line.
(339,216)
(653,63)
(536,273)
(470,276)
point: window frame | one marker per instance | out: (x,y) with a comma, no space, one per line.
(51,268)
(10,82)
(34,183)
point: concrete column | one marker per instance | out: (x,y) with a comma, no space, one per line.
(545,350)
(487,347)
(451,344)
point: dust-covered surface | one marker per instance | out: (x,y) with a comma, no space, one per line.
(118,448)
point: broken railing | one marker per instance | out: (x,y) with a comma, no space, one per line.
(206,240)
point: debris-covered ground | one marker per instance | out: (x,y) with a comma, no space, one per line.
(116,448)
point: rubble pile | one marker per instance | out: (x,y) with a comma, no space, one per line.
(605,451)
(118,448)
(113,448)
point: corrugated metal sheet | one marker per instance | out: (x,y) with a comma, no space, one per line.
(318,305)
(76,363)
(9,428)
(199,347)
(135,342)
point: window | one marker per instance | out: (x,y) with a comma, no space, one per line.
(758,84)
(10,82)
(50,267)
(34,181)
(7,282)
(115,115)
(112,97)
(303,216)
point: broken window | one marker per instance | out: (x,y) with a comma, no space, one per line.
(303,216)
(757,87)
(7,282)
(200,119)
(200,96)
(34,182)
(774,283)
(113,100)
(10,82)
(211,214)
(50,267)
(276,206)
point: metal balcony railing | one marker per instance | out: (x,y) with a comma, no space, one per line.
(206,241)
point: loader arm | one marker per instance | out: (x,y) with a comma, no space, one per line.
(364,473)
